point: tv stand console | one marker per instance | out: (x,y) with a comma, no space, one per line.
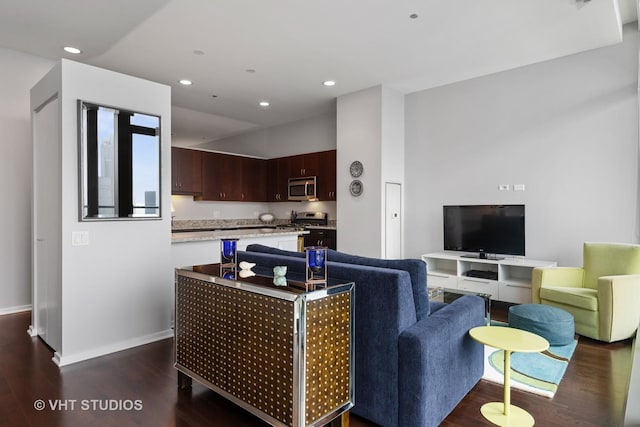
(505,279)
(483,255)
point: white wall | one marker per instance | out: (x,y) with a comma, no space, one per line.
(370,128)
(567,129)
(359,134)
(117,291)
(18,73)
(392,160)
(299,137)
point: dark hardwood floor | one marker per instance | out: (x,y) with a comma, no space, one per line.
(138,387)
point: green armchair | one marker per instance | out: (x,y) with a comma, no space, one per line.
(604,296)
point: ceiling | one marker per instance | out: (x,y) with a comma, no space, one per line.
(239,52)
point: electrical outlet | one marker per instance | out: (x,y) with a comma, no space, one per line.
(503,187)
(518,187)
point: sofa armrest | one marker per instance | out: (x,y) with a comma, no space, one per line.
(439,362)
(554,276)
(618,302)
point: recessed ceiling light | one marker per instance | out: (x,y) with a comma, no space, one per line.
(198,52)
(264,103)
(186,82)
(413,16)
(329,83)
(71,49)
(250,70)
(214,96)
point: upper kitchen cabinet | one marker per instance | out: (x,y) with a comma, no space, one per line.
(326,175)
(227,177)
(186,171)
(254,180)
(221,177)
(277,179)
(233,178)
(304,165)
(321,164)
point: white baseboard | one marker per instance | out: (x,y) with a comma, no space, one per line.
(63,360)
(16,309)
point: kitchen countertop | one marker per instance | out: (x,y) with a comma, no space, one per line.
(320,227)
(194,236)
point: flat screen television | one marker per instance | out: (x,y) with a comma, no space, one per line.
(484,229)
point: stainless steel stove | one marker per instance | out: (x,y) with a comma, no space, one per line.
(309,218)
(301,220)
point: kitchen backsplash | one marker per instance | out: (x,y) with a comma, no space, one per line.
(241,213)
(221,223)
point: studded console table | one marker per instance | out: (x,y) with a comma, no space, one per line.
(284,354)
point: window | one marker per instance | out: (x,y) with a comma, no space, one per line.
(119,163)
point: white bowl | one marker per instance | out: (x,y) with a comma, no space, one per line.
(266,218)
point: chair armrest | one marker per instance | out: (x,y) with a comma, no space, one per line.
(554,276)
(619,302)
(439,362)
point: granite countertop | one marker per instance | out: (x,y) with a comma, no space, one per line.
(216,229)
(194,236)
(321,227)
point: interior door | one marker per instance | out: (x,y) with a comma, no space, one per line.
(47,224)
(393,220)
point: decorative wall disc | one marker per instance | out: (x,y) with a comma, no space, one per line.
(356,169)
(356,187)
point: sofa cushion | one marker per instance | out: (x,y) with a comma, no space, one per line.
(584,298)
(416,268)
(256,247)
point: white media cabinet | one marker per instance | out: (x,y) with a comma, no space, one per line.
(511,281)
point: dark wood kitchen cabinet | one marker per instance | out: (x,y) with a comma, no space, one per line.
(327,175)
(304,165)
(186,171)
(221,175)
(320,237)
(278,179)
(225,177)
(254,180)
(233,178)
(321,164)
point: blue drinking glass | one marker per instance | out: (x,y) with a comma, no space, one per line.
(316,259)
(228,249)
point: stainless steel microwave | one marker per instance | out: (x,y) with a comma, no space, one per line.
(303,188)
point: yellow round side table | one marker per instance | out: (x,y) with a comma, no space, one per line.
(508,340)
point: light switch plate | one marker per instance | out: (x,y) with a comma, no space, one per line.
(79,238)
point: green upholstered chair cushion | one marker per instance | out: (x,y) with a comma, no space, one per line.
(609,259)
(584,298)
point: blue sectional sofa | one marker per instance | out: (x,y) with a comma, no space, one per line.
(414,359)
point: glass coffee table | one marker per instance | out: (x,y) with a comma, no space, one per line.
(448,295)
